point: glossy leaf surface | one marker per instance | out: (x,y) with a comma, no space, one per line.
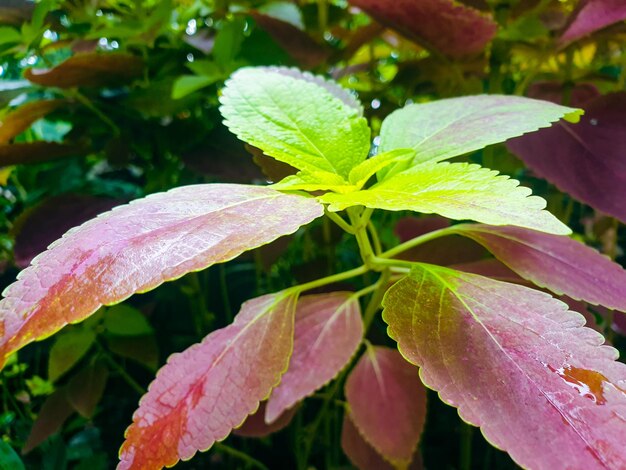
(561,264)
(295,120)
(457,191)
(446,128)
(585,160)
(328,332)
(136,247)
(201,394)
(517,363)
(387,403)
(445,25)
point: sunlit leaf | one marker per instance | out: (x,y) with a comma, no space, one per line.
(90,70)
(136,247)
(209,389)
(561,264)
(69,348)
(446,128)
(457,191)
(516,363)
(387,403)
(585,160)
(592,15)
(328,332)
(295,120)
(445,25)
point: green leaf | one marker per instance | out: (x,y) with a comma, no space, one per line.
(124,320)
(69,348)
(314,181)
(457,191)
(447,128)
(9,35)
(187,84)
(361,173)
(9,460)
(295,120)
(228,41)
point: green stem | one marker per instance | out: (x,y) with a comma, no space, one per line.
(240,455)
(86,102)
(339,221)
(330,279)
(375,238)
(419,241)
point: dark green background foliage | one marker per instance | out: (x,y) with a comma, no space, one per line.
(136,86)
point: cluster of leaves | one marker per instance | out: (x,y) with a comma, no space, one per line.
(107,101)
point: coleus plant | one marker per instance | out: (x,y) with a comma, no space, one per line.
(513,359)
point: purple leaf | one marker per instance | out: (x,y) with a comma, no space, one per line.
(592,15)
(387,403)
(585,160)
(560,264)
(36,228)
(451,28)
(515,362)
(328,332)
(54,412)
(136,247)
(201,394)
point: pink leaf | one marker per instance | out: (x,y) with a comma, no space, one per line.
(515,362)
(451,28)
(328,332)
(201,394)
(592,15)
(586,159)
(255,425)
(387,403)
(360,453)
(136,247)
(560,264)
(363,455)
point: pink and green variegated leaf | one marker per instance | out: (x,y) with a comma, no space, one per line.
(201,394)
(515,362)
(450,27)
(560,264)
(328,332)
(592,15)
(136,247)
(387,403)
